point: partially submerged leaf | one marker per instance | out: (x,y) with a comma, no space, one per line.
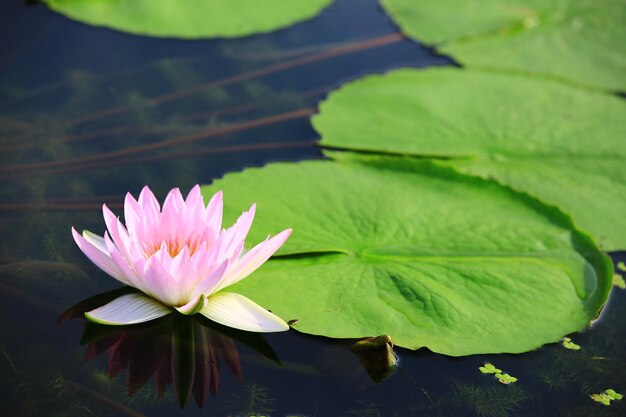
(568,344)
(619,282)
(561,144)
(376,356)
(189,19)
(601,398)
(422,254)
(579,40)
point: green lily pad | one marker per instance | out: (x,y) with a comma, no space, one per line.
(417,252)
(578,40)
(559,143)
(190,19)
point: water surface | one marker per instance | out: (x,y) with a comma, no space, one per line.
(88,114)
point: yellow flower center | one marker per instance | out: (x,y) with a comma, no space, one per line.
(173,247)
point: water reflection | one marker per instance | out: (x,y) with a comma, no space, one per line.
(184,352)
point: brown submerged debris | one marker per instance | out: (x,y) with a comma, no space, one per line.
(377,356)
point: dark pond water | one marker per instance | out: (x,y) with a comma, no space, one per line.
(87,114)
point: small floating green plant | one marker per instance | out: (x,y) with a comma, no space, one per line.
(489,369)
(503,378)
(506,379)
(606,397)
(618,280)
(568,344)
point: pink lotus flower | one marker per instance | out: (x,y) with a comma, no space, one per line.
(180,258)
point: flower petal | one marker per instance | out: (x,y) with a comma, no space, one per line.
(129,272)
(97,241)
(92,247)
(193,306)
(128,309)
(186,274)
(234,236)
(118,232)
(174,202)
(235,310)
(213,212)
(194,201)
(173,220)
(159,282)
(254,259)
(134,216)
(150,205)
(208,285)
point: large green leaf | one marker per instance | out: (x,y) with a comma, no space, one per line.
(428,256)
(579,40)
(561,144)
(189,18)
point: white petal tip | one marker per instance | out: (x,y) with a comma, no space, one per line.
(128,309)
(235,310)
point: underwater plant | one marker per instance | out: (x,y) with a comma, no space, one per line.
(256,400)
(495,401)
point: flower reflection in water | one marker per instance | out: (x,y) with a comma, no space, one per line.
(182,351)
